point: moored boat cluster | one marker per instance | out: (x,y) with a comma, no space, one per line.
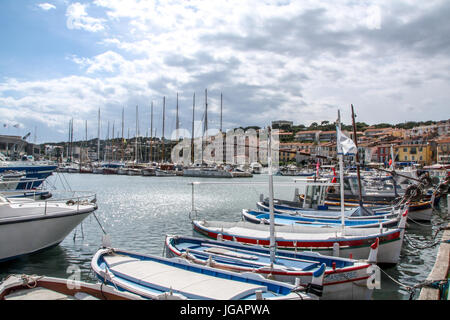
(315,246)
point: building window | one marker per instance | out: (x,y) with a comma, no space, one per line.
(421,158)
(406,158)
(412,158)
(405,150)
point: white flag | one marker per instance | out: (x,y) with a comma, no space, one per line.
(345,145)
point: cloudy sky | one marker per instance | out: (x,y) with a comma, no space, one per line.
(272,60)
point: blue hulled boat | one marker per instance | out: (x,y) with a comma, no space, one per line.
(160,278)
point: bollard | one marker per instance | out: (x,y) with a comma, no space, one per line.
(336,249)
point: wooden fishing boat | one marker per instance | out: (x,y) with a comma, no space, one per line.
(286,219)
(353,242)
(26,287)
(418,211)
(353,213)
(344,279)
(155,277)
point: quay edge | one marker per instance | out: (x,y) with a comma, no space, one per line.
(440,269)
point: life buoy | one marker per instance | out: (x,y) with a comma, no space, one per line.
(70,202)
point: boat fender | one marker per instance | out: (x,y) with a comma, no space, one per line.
(336,249)
(220,237)
(373,251)
(210,261)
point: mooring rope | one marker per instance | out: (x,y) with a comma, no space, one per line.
(430,244)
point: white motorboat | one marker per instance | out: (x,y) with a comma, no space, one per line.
(28,226)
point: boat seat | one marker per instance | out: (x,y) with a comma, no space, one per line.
(166,277)
(230,253)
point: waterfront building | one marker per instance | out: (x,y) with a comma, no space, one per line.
(307,136)
(282,124)
(418,153)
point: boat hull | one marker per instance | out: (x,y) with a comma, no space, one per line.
(356,246)
(347,283)
(160,278)
(38,173)
(32,235)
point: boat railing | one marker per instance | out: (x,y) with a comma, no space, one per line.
(27,181)
(88,198)
(74,198)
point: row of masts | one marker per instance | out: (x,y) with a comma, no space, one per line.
(152,132)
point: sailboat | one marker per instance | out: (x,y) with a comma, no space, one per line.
(199,168)
(164,169)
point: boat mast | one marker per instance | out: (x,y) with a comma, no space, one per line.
(394,182)
(192,133)
(355,140)
(112,142)
(272,244)
(68,143)
(98,136)
(341,172)
(105,154)
(86,143)
(136,139)
(123,111)
(162,137)
(71,142)
(223,140)
(205,126)
(177,125)
(151,133)
(221,112)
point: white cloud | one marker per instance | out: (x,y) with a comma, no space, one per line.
(373,19)
(46,6)
(77,18)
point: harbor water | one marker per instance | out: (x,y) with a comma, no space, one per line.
(137,212)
